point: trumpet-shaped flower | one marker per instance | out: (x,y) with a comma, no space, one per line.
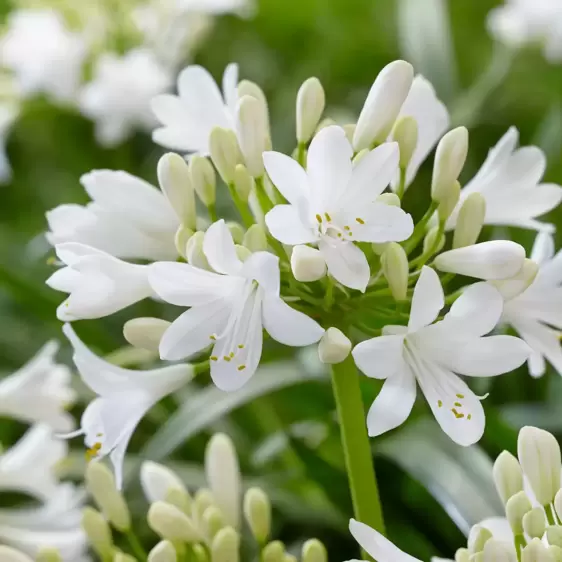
(199,107)
(509,181)
(434,353)
(536,313)
(128,218)
(39,391)
(98,284)
(332,203)
(230,307)
(123,398)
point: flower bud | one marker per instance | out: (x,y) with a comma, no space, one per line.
(389,199)
(314,551)
(379,247)
(290,558)
(274,552)
(539,455)
(462,555)
(183,234)
(255,239)
(122,557)
(223,477)
(534,522)
(145,333)
(203,179)
(434,241)
(243,182)
(164,551)
(225,152)
(236,231)
(383,104)
(8,554)
(450,157)
(194,251)
(248,88)
(555,552)
(405,133)
(519,283)
(334,346)
(203,500)
(497,259)
(242,252)
(536,551)
(200,553)
(360,155)
(349,131)
(47,555)
(477,538)
(252,133)
(310,106)
(171,524)
(307,264)
(496,551)
(449,200)
(257,511)
(100,483)
(470,221)
(515,509)
(226,546)
(213,522)
(157,481)
(558,504)
(394,262)
(554,535)
(175,182)
(507,476)
(98,532)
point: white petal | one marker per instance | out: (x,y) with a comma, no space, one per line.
(10,555)
(157,480)
(287,175)
(428,300)
(543,248)
(543,340)
(285,224)
(219,249)
(393,404)
(380,548)
(287,325)
(497,259)
(346,263)
(230,86)
(263,267)
(381,357)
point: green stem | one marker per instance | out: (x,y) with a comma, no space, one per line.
(213,213)
(243,209)
(356,446)
(136,545)
(420,261)
(402,185)
(329,295)
(301,154)
(419,230)
(263,198)
(520,544)
(549,514)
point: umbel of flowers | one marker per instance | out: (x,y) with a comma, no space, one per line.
(322,252)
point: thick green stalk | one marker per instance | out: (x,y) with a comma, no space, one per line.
(356,446)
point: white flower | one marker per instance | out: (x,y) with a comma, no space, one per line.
(128,218)
(98,284)
(199,107)
(536,314)
(124,397)
(509,181)
(43,54)
(39,391)
(8,114)
(229,309)
(520,22)
(431,353)
(118,98)
(332,203)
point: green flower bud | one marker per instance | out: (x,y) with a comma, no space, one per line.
(248,88)
(164,551)
(449,200)
(554,535)
(515,508)
(47,555)
(225,152)
(462,555)
(145,333)
(183,234)
(244,183)
(242,252)
(534,523)
(274,552)
(307,264)
(555,552)
(170,523)
(314,551)
(122,557)
(194,251)
(200,553)
(349,130)
(203,500)
(430,243)
(470,221)
(237,231)
(98,532)
(180,498)
(477,538)
(334,346)
(389,199)
(204,179)
(507,476)
(226,546)
(379,247)
(252,133)
(255,239)
(257,510)
(514,286)
(450,157)
(311,101)
(395,268)
(496,551)
(213,522)
(360,155)
(536,551)
(405,133)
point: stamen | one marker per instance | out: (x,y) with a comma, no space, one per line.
(328,217)
(231,354)
(241,367)
(461,396)
(93,451)
(469,417)
(227,358)
(440,403)
(213,337)
(347,227)
(214,358)
(458,415)
(241,346)
(360,220)
(319,219)
(458,404)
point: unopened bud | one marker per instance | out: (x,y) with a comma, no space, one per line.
(98,532)
(477,538)
(157,481)
(8,554)
(204,179)
(558,504)
(554,535)
(199,553)
(349,130)
(462,555)
(534,522)
(379,247)
(194,252)
(47,555)
(314,551)
(389,199)
(255,239)
(183,234)
(329,122)
(237,232)
(203,500)
(449,199)
(450,157)
(539,455)
(310,106)
(274,552)
(289,558)
(555,552)
(164,551)
(242,252)
(515,509)
(496,551)
(175,182)
(226,546)
(519,283)
(507,476)
(405,133)
(470,221)
(307,264)
(122,557)
(257,511)
(100,483)
(252,133)
(171,524)
(434,241)
(145,333)
(334,346)
(536,551)
(360,155)
(248,88)
(224,150)
(213,522)
(243,182)
(394,262)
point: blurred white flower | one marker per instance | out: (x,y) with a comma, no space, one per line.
(44,55)
(8,114)
(509,181)
(229,309)
(123,398)
(536,314)
(118,98)
(332,203)
(433,353)
(39,391)
(128,218)
(199,107)
(521,22)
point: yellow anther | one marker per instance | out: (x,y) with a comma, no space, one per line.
(241,367)
(458,404)
(227,358)
(213,337)
(350,233)
(439,403)
(328,217)
(461,396)
(347,227)
(231,354)
(469,417)
(214,358)
(458,415)
(241,346)
(319,218)
(51,260)
(339,234)
(360,220)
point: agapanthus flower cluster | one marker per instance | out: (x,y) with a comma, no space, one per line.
(322,252)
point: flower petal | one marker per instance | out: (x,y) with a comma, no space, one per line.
(219,249)
(285,224)
(287,175)
(544,341)
(346,263)
(381,357)
(428,300)
(287,325)
(263,267)
(230,86)
(543,248)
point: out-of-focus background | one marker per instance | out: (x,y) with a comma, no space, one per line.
(432,490)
